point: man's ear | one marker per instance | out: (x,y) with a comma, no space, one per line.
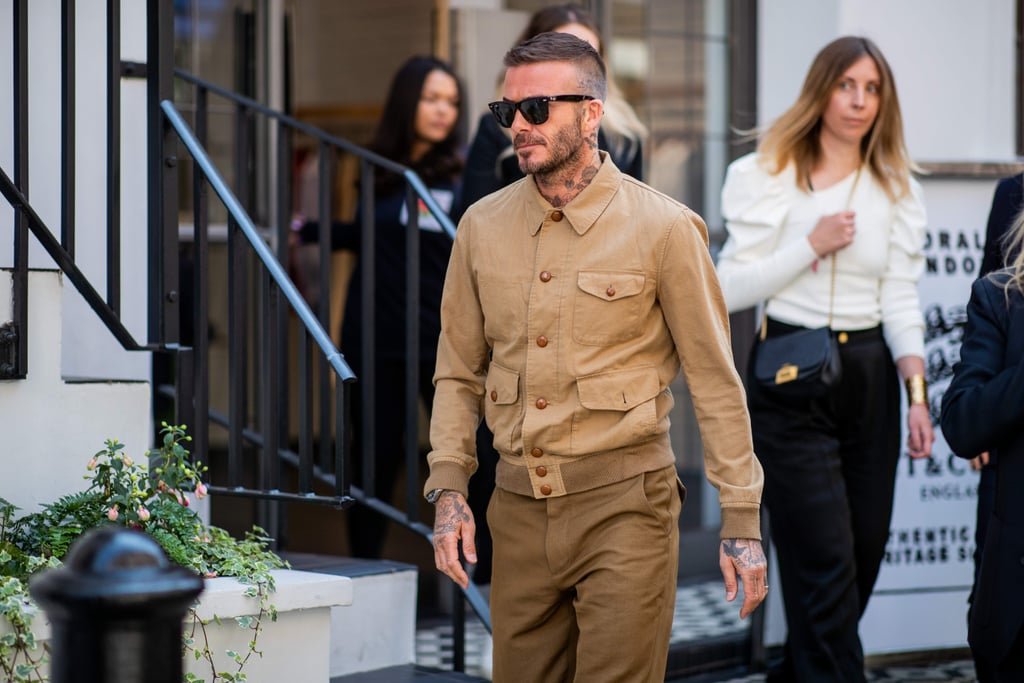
(595,111)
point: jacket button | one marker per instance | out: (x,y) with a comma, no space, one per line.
(494,395)
(542,403)
(556,216)
(610,291)
(536,452)
(542,341)
(542,471)
(545,490)
(545,276)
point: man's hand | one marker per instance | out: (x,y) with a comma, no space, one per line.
(745,557)
(453,521)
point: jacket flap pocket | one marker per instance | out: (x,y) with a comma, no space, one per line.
(502,385)
(619,389)
(610,285)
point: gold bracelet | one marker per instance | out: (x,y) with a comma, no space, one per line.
(917,390)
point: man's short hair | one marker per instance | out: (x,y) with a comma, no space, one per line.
(564,47)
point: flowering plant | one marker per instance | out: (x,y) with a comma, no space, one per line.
(157,502)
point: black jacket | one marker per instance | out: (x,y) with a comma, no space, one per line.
(983,410)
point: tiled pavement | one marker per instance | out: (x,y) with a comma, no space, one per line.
(701,612)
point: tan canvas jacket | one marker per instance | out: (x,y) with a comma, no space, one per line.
(565,328)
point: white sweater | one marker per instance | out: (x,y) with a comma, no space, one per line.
(767,254)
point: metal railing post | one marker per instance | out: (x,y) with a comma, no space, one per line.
(163,176)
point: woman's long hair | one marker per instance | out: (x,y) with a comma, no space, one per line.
(396,131)
(795,136)
(1013,247)
(621,125)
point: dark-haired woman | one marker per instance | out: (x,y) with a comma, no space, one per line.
(419,128)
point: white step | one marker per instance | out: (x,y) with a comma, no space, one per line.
(52,426)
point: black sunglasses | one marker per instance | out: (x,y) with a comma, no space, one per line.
(535,109)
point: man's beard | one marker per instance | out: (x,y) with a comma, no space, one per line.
(563,148)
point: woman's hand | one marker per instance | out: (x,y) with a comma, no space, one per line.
(832,233)
(920,433)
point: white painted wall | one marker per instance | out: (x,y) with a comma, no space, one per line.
(89,349)
(52,428)
(953,60)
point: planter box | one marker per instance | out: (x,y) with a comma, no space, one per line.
(296,648)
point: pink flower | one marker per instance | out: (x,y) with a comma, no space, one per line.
(128,461)
(143,513)
(201,491)
(92,465)
(112,514)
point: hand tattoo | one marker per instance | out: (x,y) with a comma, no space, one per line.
(449,514)
(743,552)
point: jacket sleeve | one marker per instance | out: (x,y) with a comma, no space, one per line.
(695,312)
(462,359)
(984,404)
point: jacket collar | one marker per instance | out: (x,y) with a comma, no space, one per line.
(584,209)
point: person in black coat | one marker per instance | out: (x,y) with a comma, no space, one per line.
(983,411)
(1007,202)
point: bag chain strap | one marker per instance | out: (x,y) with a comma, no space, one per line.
(832,288)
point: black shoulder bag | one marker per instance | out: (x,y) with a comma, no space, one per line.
(804,363)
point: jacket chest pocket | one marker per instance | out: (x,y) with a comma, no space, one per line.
(608,306)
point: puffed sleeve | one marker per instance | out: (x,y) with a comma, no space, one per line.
(753,264)
(902,321)
(984,404)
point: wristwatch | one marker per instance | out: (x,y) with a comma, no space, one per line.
(434,495)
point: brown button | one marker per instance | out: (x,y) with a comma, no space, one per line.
(494,395)
(556,216)
(536,452)
(545,490)
(542,341)
(610,291)
(542,403)
(545,276)
(542,471)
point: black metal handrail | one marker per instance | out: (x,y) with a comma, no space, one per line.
(244,110)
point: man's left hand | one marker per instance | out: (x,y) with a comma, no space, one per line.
(745,557)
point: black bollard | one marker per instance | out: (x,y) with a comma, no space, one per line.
(116,609)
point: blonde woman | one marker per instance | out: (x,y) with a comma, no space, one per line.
(825,228)
(983,411)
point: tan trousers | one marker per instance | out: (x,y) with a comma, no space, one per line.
(584,585)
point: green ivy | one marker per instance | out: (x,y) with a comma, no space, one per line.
(123,492)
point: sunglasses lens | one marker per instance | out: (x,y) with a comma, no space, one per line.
(535,110)
(504,112)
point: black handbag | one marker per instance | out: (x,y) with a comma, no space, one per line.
(801,364)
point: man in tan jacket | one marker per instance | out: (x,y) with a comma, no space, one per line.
(571,300)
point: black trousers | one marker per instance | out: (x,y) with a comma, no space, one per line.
(367,529)
(830,472)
